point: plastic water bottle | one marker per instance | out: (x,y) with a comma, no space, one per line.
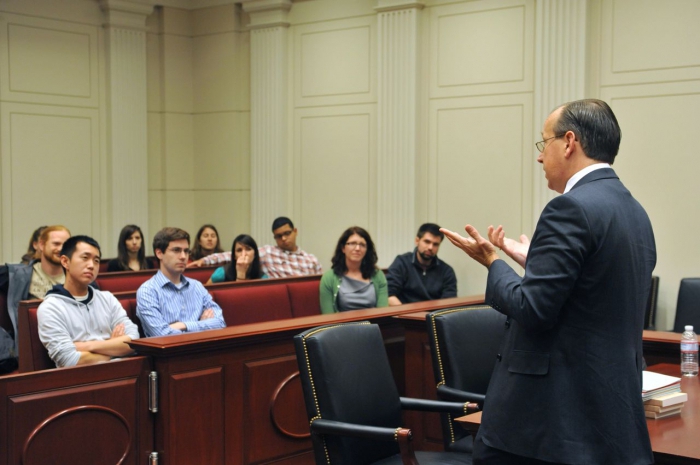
(689,352)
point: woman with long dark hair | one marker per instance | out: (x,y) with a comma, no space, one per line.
(206,242)
(131,251)
(244,264)
(354,281)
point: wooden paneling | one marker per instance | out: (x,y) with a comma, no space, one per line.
(194,405)
(74,415)
(273,391)
(264,415)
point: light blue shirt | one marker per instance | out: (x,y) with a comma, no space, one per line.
(160,303)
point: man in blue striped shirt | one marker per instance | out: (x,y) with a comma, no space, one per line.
(169,303)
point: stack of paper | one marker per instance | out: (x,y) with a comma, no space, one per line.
(656,384)
(662,395)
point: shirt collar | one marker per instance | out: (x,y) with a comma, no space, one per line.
(281,250)
(161,280)
(579,175)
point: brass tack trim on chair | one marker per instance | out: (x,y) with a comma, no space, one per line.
(439,356)
(313,386)
(396,434)
(325,449)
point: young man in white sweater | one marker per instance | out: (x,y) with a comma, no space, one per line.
(78,324)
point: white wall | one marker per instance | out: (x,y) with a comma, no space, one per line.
(649,72)
(480,86)
(199,121)
(52,159)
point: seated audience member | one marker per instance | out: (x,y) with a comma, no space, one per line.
(354,281)
(131,251)
(33,248)
(244,266)
(206,242)
(78,324)
(419,275)
(32,281)
(169,303)
(284,260)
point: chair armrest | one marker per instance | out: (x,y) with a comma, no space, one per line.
(457,395)
(340,428)
(402,436)
(425,405)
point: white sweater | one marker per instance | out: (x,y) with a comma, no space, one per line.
(63,320)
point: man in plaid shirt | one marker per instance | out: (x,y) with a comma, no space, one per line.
(284,260)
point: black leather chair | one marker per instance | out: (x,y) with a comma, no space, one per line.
(650,314)
(352,402)
(464,343)
(688,307)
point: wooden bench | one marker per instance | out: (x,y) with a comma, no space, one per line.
(122,281)
(241,302)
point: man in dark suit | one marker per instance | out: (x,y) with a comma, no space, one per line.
(566,387)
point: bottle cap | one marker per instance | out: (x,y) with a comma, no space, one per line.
(688,327)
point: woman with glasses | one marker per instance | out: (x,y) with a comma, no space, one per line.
(354,281)
(206,242)
(245,264)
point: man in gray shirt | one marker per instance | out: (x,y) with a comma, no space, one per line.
(78,324)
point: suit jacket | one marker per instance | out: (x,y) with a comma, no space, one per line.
(567,384)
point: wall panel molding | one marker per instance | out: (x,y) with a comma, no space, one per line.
(640,41)
(480,172)
(335,174)
(48,62)
(335,62)
(659,123)
(55,143)
(482,47)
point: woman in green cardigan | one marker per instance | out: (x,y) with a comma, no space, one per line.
(354,281)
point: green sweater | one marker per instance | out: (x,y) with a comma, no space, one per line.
(330,284)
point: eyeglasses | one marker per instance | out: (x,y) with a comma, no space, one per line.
(541,144)
(354,245)
(179,250)
(284,234)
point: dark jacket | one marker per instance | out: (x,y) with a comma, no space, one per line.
(566,387)
(409,282)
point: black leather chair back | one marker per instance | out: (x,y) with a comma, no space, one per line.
(464,343)
(688,307)
(345,376)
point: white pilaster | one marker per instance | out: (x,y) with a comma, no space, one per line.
(125,41)
(398,34)
(269,184)
(560,69)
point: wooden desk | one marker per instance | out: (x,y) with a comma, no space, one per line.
(658,346)
(661,347)
(673,439)
(230,396)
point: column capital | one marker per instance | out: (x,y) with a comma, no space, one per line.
(267,13)
(384,6)
(125,14)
